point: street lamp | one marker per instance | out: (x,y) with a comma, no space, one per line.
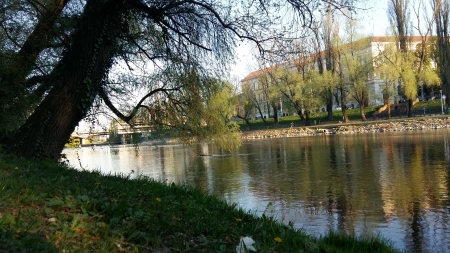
(442,105)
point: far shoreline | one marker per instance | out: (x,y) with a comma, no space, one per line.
(369,126)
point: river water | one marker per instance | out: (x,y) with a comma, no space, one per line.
(395,184)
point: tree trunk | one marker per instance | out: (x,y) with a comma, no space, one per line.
(344,105)
(76,82)
(410,107)
(275,114)
(23,62)
(389,110)
(361,112)
(13,88)
(300,114)
(307,118)
(329,104)
(262,116)
(443,44)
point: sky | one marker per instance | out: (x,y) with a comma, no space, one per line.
(373,19)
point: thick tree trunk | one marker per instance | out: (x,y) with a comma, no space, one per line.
(300,114)
(275,114)
(410,107)
(344,105)
(76,82)
(307,118)
(361,112)
(13,88)
(329,104)
(442,31)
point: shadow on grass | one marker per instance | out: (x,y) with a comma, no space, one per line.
(24,242)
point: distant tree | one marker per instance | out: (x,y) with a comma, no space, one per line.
(357,64)
(287,85)
(426,75)
(389,75)
(266,99)
(324,82)
(245,104)
(398,14)
(253,96)
(398,17)
(325,53)
(441,10)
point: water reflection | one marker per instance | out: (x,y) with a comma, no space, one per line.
(396,184)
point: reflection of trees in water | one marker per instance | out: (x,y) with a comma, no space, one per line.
(417,228)
(411,185)
(350,183)
(348,177)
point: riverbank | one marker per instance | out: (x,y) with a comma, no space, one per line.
(393,125)
(45,207)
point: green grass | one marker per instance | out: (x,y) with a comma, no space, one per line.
(320,118)
(45,207)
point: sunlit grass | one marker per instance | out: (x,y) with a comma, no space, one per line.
(433,107)
(317,118)
(45,207)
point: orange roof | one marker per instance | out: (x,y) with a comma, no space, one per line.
(256,73)
(394,38)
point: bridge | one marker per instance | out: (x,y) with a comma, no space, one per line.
(120,132)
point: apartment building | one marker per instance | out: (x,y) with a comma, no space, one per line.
(369,47)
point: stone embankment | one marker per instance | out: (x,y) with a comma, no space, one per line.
(349,128)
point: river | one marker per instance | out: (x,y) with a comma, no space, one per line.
(394,184)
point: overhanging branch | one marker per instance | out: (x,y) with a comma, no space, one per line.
(133,113)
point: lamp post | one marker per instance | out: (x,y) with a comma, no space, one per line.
(442,105)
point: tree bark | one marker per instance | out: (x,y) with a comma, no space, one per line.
(344,104)
(361,112)
(443,44)
(410,107)
(329,104)
(26,57)
(76,81)
(13,85)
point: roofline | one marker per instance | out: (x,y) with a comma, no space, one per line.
(381,39)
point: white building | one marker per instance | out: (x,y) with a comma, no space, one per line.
(371,46)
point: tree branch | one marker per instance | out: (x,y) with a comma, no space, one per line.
(133,113)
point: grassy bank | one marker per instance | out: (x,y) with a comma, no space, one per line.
(432,107)
(45,207)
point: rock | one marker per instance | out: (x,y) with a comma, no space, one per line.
(404,125)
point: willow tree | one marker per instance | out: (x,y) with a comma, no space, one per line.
(402,67)
(287,83)
(246,104)
(76,59)
(388,74)
(357,64)
(441,10)
(325,53)
(324,82)
(426,50)
(22,45)
(398,17)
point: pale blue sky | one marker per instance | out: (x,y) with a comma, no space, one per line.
(374,19)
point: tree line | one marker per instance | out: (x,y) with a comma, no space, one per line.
(334,62)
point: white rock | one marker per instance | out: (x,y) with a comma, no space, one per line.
(245,245)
